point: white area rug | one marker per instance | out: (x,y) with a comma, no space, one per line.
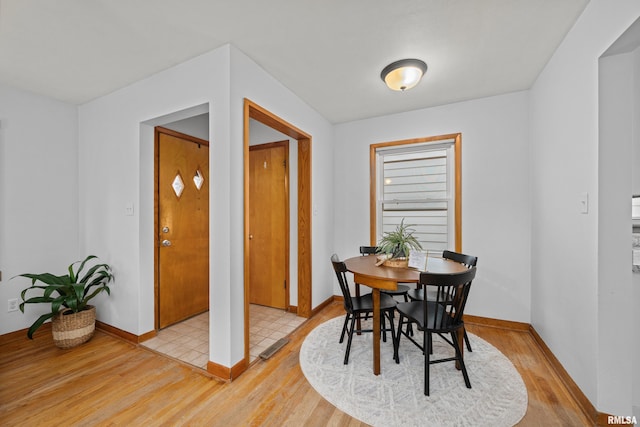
(498,396)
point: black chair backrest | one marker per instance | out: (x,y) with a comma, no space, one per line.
(451,296)
(468,260)
(341,272)
(368,250)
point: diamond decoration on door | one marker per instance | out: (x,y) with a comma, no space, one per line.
(198,179)
(178,185)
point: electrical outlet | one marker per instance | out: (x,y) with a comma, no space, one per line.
(12,304)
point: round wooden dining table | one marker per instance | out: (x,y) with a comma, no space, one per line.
(366,272)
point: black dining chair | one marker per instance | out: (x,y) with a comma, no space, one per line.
(441,316)
(467,260)
(358,307)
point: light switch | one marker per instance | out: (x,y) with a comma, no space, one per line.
(584,203)
(128,209)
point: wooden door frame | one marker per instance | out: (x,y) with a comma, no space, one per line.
(268,146)
(157,130)
(256,112)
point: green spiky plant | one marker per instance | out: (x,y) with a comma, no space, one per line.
(398,243)
(70,291)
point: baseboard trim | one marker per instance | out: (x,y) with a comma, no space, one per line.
(127,336)
(496,323)
(11,336)
(145,337)
(602,419)
(224,373)
(322,305)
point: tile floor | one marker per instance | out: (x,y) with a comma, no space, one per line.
(189,340)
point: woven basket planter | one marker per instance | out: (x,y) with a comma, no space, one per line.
(397,262)
(72,329)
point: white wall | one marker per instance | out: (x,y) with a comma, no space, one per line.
(197,126)
(614,231)
(38,195)
(564,164)
(495,191)
(116,168)
(635,171)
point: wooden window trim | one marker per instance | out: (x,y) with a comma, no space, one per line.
(457,148)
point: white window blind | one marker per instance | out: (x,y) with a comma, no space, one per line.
(415,183)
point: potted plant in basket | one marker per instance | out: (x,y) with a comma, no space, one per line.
(397,244)
(72,318)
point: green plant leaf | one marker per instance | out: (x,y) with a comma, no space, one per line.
(37,300)
(90,257)
(24,291)
(53,288)
(38,323)
(96,292)
(399,242)
(57,303)
(101,275)
(47,278)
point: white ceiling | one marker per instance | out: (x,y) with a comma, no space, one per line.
(329,52)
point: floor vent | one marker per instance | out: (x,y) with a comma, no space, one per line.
(273,349)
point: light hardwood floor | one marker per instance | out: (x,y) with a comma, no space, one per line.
(108,381)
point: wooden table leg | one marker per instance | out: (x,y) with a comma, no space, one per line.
(375,284)
(376,331)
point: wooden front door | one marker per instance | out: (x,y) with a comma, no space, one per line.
(183,227)
(269,224)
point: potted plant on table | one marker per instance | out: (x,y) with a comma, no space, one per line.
(397,244)
(72,318)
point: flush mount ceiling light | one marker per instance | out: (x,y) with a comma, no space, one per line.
(404,74)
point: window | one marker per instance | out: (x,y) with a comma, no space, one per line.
(418,181)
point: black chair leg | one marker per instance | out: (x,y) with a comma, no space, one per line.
(346,353)
(466,340)
(383,327)
(344,328)
(409,326)
(393,333)
(427,352)
(463,368)
(408,329)
(396,343)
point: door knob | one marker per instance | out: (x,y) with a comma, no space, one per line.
(250,236)
(166,242)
